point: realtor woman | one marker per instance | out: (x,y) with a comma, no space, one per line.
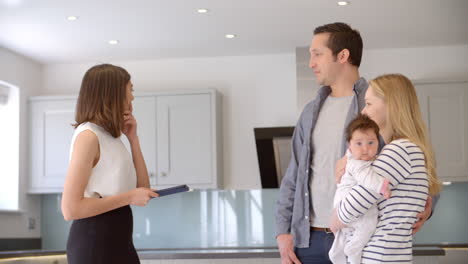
(103,179)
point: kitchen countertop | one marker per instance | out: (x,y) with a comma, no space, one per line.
(202,253)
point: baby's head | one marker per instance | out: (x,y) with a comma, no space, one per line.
(362,135)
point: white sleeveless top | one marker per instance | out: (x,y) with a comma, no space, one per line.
(114,173)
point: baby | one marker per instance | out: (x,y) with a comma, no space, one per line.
(362,136)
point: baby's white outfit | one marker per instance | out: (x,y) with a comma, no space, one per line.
(350,241)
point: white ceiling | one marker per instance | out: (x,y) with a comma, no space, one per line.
(155,29)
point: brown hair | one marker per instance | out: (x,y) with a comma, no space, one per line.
(102,97)
(406,120)
(363,123)
(342,36)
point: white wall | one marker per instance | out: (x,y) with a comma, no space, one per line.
(27,75)
(434,63)
(258,91)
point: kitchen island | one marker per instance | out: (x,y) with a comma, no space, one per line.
(264,255)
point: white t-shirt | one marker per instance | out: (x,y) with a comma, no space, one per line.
(327,147)
(114,173)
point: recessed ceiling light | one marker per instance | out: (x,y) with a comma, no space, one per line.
(12,3)
(342,3)
(203,10)
(113,42)
(72,18)
(230,36)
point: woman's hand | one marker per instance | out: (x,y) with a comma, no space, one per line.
(141,196)
(129,125)
(335,223)
(340,168)
(423,216)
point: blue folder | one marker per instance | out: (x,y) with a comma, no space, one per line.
(172,190)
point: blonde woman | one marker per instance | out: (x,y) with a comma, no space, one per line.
(407,161)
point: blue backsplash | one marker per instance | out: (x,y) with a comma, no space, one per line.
(237,218)
(197,219)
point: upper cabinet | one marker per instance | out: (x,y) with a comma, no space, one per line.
(179,132)
(51,131)
(444,107)
(144,111)
(184,146)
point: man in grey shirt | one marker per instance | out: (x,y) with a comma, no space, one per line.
(306,194)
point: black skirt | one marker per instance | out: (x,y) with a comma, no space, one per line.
(104,238)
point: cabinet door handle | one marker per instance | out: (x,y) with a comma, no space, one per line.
(152,178)
(164,174)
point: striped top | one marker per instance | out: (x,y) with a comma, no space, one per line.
(402,163)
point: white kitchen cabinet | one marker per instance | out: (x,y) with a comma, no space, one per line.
(444,107)
(184,146)
(50,136)
(144,110)
(179,133)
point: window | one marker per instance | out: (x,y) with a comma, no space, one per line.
(9,146)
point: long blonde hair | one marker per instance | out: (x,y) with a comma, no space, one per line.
(405,118)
